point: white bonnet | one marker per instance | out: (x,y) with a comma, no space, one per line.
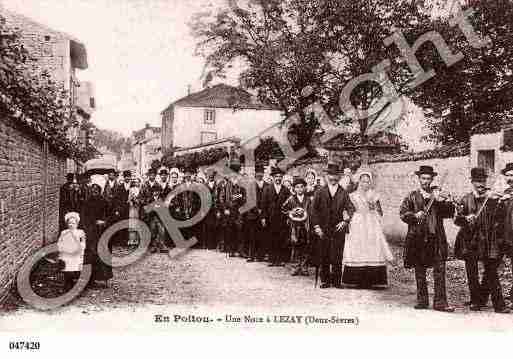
(71,215)
(312,171)
(175,170)
(367,173)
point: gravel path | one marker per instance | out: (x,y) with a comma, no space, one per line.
(207,283)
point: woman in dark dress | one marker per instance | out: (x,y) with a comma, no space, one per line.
(94,217)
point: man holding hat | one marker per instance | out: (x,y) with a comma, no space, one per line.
(330,227)
(426,243)
(297,208)
(274,220)
(254,231)
(479,240)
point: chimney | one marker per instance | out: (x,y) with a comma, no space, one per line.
(188,90)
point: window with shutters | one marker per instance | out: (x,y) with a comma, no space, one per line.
(486,159)
(508,139)
(209,117)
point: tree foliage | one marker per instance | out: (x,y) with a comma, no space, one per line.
(287,45)
(476,91)
(35,102)
(112,141)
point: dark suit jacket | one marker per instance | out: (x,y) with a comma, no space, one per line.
(327,212)
(425,243)
(121,204)
(256,212)
(272,203)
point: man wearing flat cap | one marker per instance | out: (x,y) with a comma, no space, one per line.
(424,210)
(479,240)
(330,227)
(274,220)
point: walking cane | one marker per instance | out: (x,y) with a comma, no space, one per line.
(317,269)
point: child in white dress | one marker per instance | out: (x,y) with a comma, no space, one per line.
(71,245)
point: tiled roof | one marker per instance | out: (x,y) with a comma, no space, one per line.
(215,142)
(504,121)
(222,96)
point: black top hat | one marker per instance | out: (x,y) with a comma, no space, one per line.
(259,169)
(426,170)
(164,172)
(276,171)
(188,170)
(234,166)
(332,168)
(509,167)
(298,180)
(152,171)
(478,173)
(127,173)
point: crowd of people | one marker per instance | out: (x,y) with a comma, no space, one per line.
(331,222)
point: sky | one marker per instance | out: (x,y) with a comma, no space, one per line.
(140,55)
(140,52)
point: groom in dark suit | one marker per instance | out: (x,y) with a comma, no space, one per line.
(330,227)
(274,196)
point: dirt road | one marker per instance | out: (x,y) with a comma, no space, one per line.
(208,284)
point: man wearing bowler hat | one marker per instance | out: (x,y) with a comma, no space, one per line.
(274,220)
(330,227)
(424,210)
(479,240)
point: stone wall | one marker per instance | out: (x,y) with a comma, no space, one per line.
(24,201)
(396,179)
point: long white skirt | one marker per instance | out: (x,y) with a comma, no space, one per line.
(366,244)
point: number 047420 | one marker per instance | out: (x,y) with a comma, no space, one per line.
(21,345)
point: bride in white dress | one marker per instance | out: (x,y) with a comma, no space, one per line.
(366,250)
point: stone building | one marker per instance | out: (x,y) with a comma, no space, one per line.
(215,114)
(146,147)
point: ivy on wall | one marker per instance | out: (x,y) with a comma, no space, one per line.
(35,102)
